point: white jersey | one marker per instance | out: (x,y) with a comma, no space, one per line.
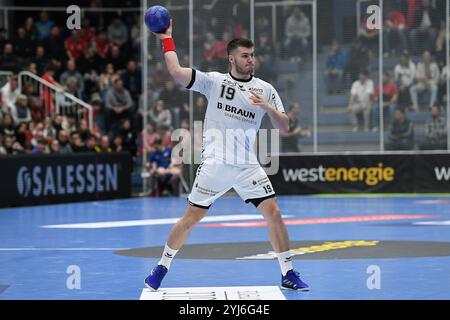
(231,121)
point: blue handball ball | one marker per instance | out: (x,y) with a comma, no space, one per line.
(157,19)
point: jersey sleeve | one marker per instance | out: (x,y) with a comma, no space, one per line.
(275,100)
(201,82)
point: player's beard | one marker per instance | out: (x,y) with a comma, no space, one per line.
(245,71)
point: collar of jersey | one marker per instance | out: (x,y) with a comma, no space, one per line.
(241,80)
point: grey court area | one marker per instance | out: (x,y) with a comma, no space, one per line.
(312,250)
(3,287)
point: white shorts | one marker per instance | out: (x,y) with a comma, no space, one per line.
(215,179)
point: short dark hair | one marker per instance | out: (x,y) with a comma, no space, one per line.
(239,42)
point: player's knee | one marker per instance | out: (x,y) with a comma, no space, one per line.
(273,213)
(194,215)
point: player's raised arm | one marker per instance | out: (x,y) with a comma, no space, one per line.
(182,75)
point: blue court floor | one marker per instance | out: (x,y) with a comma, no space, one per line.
(346,247)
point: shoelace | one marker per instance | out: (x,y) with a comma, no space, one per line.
(158,272)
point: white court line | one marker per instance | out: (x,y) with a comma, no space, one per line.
(62,249)
(152,222)
(433,223)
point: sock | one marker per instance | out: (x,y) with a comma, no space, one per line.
(285,261)
(167,256)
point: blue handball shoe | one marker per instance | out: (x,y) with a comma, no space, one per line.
(153,281)
(292,281)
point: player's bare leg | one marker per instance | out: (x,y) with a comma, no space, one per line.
(280,243)
(277,229)
(181,229)
(177,237)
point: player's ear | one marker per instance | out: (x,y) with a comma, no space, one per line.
(230,58)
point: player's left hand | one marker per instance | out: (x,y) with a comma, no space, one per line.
(258,101)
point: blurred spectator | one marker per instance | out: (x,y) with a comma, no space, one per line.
(41,147)
(265,47)
(297,33)
(47,94)
(75,45)
(2,148)
(33,68)
(84,130)
(435,131)
(90,62)
(23,136)
(54,45)
(20,111)
(289,141)
(7,126)
(24,47)
(117,32)
(9,61)
(89,66)
(358,60)
(135,38)
(117,145)
(10,146)
(159,76)
(36,110)
(171,95)
(9,93)
(404,74)
(132,80)
(401,134)
(3,39)
(265,71)
(262,26)
(40,60)
(361,97)
(57,125)
(116,58)
(160,115)
(427,77)
(103,44)
(442,89)
(118,105)
(64,143)
(37,133)
(104,145)
(369,36)
(54,147)
(165,134)
(49,129)
(425,28)
(149,137)
(91,144)
(394,38)
(106,80)
(441,48)
(30,28)
(87,31)
(163,173)
(96,17)
(200,108)
(77,143)
(336,64)
(43,26)
(390,94)
(72,73)
(215,52)
(99,114)
(129,137)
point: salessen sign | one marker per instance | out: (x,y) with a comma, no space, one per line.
(44,179)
